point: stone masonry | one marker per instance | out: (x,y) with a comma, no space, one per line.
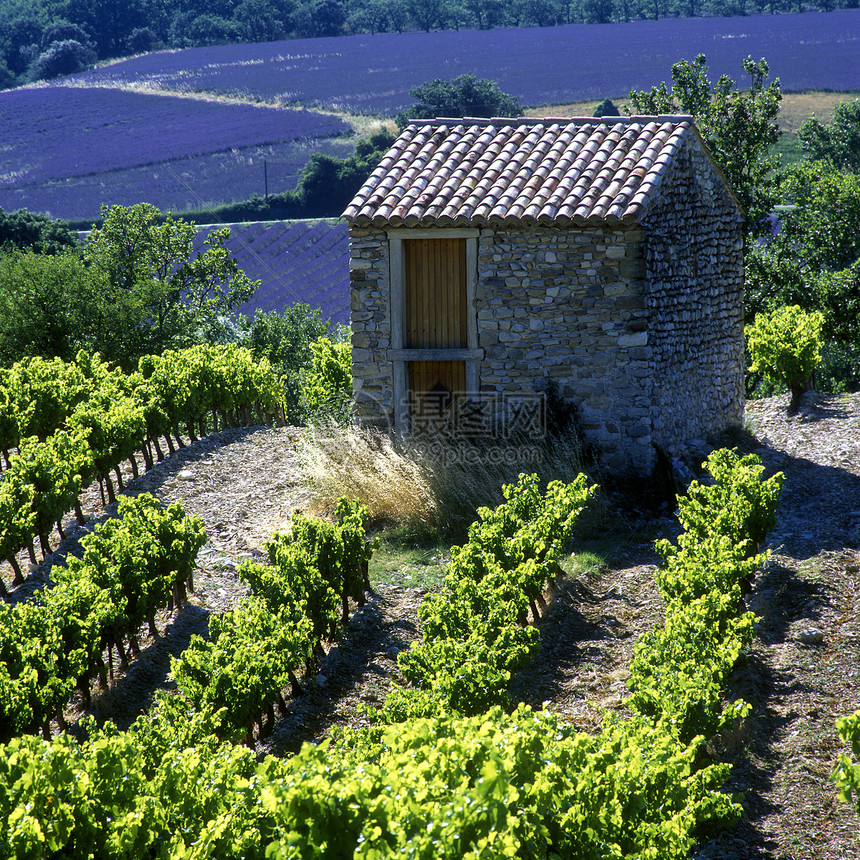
(639,323)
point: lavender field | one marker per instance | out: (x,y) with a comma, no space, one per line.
(67,150)
(297,261)
(373,74)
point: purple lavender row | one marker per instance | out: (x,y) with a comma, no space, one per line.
(374,74)
(59,132)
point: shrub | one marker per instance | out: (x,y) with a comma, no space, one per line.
(786,345)
(327,389)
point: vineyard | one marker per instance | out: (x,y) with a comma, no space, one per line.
(529,782)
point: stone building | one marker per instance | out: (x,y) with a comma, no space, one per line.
(490,257)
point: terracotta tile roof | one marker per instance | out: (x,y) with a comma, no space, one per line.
(484,172)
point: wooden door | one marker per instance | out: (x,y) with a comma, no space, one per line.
(435,293)
(436,388)
(435,310)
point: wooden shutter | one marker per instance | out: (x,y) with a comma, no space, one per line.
(435,293)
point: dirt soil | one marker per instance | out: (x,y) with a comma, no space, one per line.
(245,486)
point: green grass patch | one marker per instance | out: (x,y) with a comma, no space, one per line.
(409,562)
(789,149)
(588,558)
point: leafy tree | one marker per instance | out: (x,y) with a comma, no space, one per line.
(325,187)
(167,295)
(814,261)
(109,21)
(606,108)
(598,11)
(204,30)
(22,229)
(141,40)
(62,58)
(739,126)
(7,79)
(45,305)
(258,22)
(320,18)
(465,95)
(838,144)
(786,345)
(60,31)
(328,380)
(484,14)
(285,340)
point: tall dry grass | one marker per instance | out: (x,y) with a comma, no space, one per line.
(426,484)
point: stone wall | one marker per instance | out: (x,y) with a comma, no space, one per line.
(568,305)
(640,327)
(370,302)
(694,262)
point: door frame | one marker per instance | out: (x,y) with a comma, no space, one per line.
(397,353)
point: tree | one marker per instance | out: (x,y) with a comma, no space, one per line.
(328,381)
(597,11)
(606,108)
(257,22)
(141,40)
(814,261)
(465,95)
(837,144)
(786,345)
(285,340)
(22,229)
(166,294)
(320,18)
(738,126)
(62,58)
(45,305)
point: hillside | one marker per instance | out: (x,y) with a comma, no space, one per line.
(295,261)
(213,147)
(244,484)
(366,74)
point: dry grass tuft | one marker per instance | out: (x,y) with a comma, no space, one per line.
(426,484)
(362,464)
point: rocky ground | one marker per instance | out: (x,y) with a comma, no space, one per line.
(244,484)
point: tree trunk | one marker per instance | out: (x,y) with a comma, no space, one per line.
(295,689)
(170,447)
(110,492)
(60,531)
(46,545)
(18,578)
(31,552)
(79,514)
(133,463)
(158,452)
(147,456)
(118,474)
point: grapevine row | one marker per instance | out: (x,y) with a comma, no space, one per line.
(475,630)
(131,567)
(75,423)
(495,784)
(256,651)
